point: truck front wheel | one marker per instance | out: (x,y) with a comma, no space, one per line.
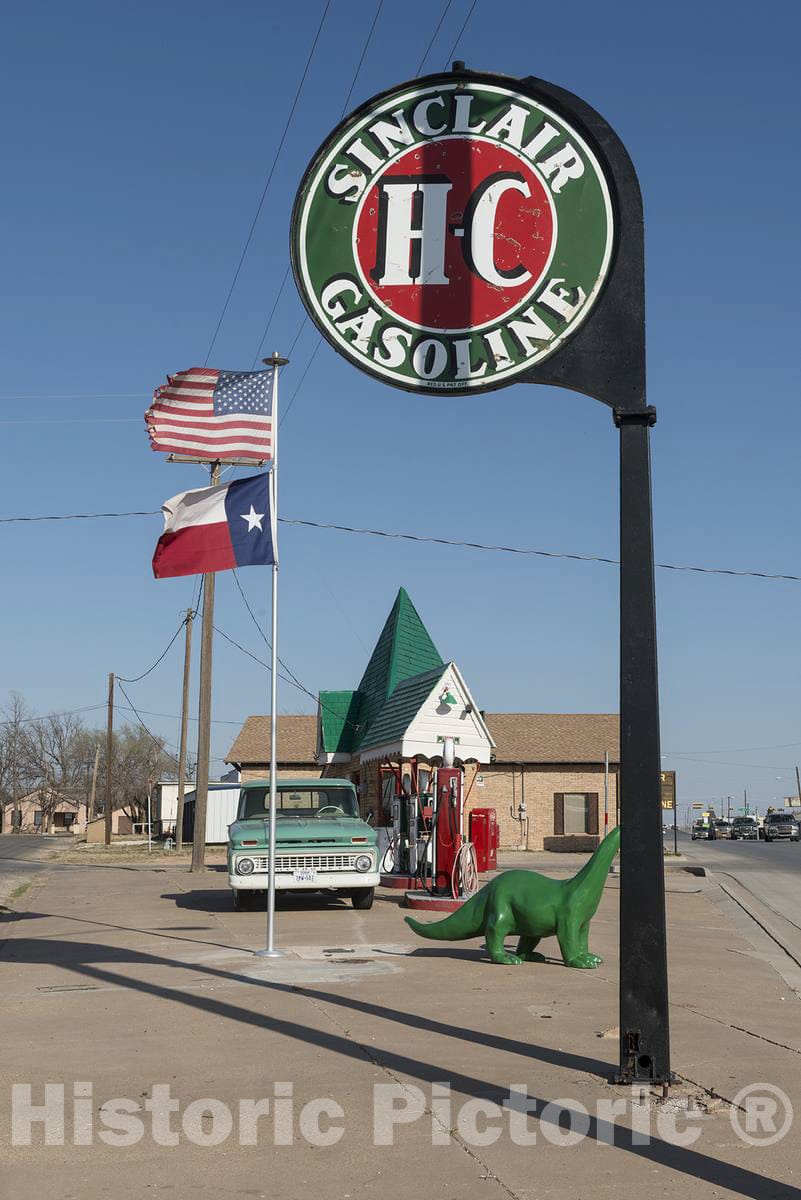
(363,898)
(241,900)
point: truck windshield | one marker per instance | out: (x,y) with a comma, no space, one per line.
(326,803)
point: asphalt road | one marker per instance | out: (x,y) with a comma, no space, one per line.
(21,857)
(771,871)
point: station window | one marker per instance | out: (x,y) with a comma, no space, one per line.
(575,812)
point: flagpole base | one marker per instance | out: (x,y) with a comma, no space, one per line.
(269,954)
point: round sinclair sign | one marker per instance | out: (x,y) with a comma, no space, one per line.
(449,235)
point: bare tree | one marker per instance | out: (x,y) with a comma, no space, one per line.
(56,753)
(14,761)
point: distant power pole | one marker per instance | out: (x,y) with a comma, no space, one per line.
(109,755)
(179,816)
(798,784)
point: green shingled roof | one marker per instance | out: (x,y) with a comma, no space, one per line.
(403,650)
(402,707)
(339,719)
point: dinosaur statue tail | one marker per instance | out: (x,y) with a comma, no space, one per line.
(466,922)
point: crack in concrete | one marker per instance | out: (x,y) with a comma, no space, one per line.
(739,1029)
(488,1173)
(713,1095)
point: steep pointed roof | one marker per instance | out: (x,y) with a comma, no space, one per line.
(404,649)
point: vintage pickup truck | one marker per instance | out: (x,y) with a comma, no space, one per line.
(322,844)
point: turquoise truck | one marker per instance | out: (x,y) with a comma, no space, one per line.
(322,843)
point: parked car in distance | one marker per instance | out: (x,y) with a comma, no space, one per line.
(744,829)
(722,828)
(322,844)
(781,826)
(703,829)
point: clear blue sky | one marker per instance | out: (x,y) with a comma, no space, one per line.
(137,141)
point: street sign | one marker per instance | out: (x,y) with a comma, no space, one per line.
(667,781)
(452,233)
(698,806)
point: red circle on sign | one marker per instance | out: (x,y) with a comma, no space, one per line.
(455,234)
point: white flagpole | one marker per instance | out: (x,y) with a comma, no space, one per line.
(275,362)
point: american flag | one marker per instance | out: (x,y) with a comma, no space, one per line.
(213,415)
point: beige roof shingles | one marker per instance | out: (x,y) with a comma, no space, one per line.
(297,741)
(554,737)
(519,738)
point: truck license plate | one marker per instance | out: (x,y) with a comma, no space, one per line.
(305,877)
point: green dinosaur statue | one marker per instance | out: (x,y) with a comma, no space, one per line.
(532,906)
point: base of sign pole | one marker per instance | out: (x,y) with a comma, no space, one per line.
(269,953)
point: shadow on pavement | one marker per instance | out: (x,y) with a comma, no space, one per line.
(94,961)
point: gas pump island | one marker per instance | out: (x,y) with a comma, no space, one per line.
(462,232)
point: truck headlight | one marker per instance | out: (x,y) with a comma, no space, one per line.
(363,863)
(245,866)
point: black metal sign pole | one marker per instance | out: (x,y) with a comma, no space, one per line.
(606,360)
(644,1034)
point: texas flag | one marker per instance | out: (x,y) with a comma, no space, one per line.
(217,529)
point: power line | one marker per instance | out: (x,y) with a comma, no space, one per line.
(285,279)
(413,537)
(264,638)
(162,656)
(66,420)
(300,382)
(162,745)
(433,38)
(82,396)
(731,750)
(70,712)
(269,180)
(436,541)
(150,512)
(460,34)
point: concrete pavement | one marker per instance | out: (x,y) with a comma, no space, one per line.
(21,858)
(121,980)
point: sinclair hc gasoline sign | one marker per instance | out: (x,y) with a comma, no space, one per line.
(450,234)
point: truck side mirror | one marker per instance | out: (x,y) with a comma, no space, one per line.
(370,816)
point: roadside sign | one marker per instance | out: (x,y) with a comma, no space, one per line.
(451,233)
(698,806)
(462,232)
(667,783)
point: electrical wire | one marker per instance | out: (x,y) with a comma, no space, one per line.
(162,656)
(294,679)
(433,38)
(70,712)
(269,180)
(436,541)
(285,279)
(460,34)
(300,383)
(158,741)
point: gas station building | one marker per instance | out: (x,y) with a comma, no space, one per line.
(543,773)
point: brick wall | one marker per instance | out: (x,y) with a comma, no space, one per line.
(291,772)
(504,785)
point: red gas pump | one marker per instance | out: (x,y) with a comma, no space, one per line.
(448,827)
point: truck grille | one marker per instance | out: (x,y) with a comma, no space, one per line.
(307,862)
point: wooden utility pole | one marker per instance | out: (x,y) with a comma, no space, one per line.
(109,755)
(179,816)
(91,810)
(798,784)
(204,715)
